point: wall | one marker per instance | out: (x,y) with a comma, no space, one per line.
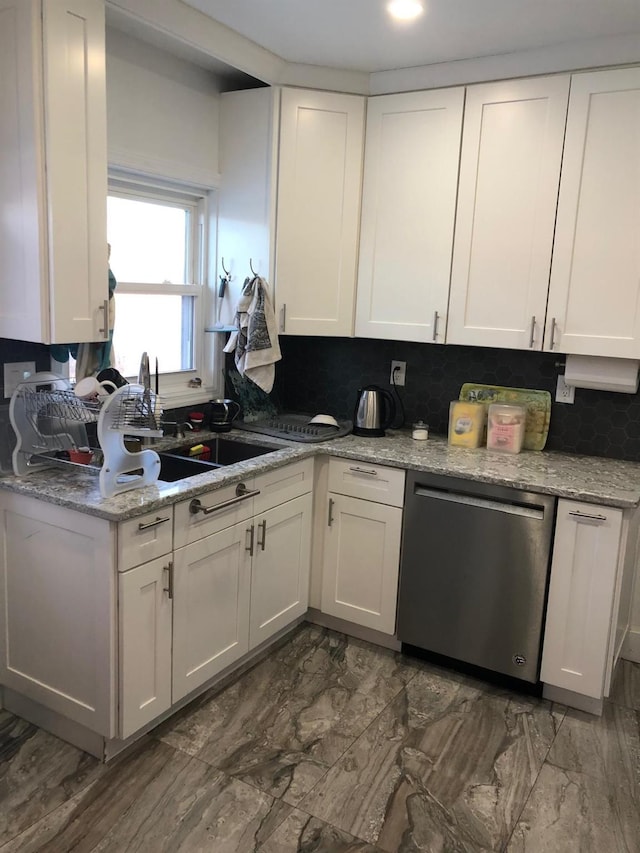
(162,112)
(324,374)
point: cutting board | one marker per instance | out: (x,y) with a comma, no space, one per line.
(538,404)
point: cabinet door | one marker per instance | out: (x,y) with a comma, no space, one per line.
(595,276)
(57,613)
(361,562)
(320,173)
(280,572)
(408,211)
(53,171)
(509,174)
(144,607)
(210,606)
(23,295)
(576,650)
(76,155)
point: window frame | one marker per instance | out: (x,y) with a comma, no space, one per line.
(175,389)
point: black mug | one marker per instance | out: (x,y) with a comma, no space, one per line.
(110,374)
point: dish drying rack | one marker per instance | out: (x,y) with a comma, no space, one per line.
(48,418)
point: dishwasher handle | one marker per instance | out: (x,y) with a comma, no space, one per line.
(507,507)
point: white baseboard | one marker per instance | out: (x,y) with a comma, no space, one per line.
(631,646)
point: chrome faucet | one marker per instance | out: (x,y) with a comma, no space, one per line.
(179,429)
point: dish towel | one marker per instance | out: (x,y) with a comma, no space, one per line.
(255,341)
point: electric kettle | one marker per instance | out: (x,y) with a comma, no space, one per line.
(375,410)
(223,413)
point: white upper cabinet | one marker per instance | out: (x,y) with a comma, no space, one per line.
(53,170)
(305,146)
(247,196)
(594,298)
(509,174)
(319,184)
(408,211)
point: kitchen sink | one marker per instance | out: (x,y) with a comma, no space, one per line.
(174,468)
(224,451)
(177,464)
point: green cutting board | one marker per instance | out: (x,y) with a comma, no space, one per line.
(538,404)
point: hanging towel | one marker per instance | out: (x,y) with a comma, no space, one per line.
(255,341)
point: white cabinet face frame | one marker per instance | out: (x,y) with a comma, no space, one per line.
(594,296)
(412,152)
(509,173)
(319,187)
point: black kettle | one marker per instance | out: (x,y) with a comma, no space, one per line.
(223,413)
(375,411)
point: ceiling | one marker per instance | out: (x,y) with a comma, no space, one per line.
(358,34)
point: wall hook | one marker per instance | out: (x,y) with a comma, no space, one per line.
(226,271)
(251,267)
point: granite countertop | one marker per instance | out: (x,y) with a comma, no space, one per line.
(610,482)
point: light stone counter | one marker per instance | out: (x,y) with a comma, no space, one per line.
(606,481)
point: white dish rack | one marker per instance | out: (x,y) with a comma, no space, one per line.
(48,418)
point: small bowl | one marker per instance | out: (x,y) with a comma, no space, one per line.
(80,455)
(325,420)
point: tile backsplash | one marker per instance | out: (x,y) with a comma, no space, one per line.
(22,351)
(324,374)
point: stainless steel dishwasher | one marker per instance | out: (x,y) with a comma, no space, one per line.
(474,572)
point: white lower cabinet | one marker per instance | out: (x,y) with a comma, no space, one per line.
(594,557)
(57,600)
(210,607)
(144,624)
(185,618)
(361,556)
(280,574)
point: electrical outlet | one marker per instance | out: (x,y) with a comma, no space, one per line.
(400,368)
(15,373)
(564,393)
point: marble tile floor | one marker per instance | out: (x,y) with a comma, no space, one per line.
(331,745)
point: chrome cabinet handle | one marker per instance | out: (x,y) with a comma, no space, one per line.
(169,588)
(250,531)
(105,329)
(242,493)
(533,332)
(553,333)
(585,516)
(435,325)
(261,542)
(283,316)
(155,523)
(358,470)
(330,518)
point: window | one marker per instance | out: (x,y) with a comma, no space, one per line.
(159,240)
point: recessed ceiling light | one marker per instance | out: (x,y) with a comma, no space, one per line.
(405,10)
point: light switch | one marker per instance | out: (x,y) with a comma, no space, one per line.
(16,372)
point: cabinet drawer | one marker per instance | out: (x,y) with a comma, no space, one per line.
(363,480)
(228,507)
(145,538)
(283,484)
